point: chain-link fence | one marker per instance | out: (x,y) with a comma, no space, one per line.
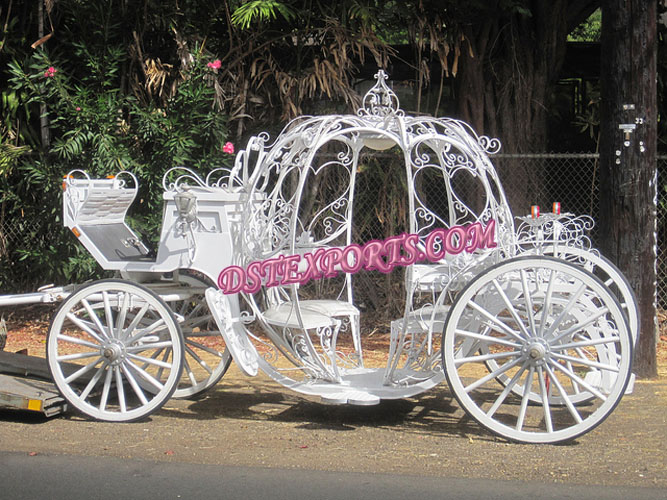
(573,179)
(381,211)
(21,238)
(17,234)
(661,228)
(569,178)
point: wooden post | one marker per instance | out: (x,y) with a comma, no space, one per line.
(628,147)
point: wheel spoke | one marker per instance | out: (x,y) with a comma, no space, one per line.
(209,350)
(585,343)
(580,326)
(135,387)
(575,387)
(528,300)
(508,388)
(105,389)
(120,389)
(146,376)
(585,362)
(93,316)
(78,355)
(545,400)
(487,339)
(74,340)
(108,315)
(82,371)
(502,369)
(145,331)
(546,307)
(573,299)
(486,357)
(165,357)
(564,395)
(525,398)
(511,309)
(81,324)
(93,381)
(496,321)
(188,370)
(151,345)
(200,361)
(149,361)
(122,313)
(579,380)
(192,315)
(133,324)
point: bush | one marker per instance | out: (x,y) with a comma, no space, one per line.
(98,128)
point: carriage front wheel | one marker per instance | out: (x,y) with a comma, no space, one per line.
(552,329)
(115,350)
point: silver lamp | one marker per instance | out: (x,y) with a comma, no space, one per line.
(185,204)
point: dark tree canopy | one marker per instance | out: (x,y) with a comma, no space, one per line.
(511,60)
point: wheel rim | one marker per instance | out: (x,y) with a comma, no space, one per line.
(115,351)
(576,329)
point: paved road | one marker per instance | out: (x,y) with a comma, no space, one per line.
(75,477)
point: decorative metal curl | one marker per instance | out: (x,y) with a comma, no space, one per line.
(380,101)
(184,175)
(548,228)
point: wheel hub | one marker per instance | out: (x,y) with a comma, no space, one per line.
(536,351)
(113,352)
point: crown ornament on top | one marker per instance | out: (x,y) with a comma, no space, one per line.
(380,101)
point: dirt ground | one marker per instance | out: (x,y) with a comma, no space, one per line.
(256,422)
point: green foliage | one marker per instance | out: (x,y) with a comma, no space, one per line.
(588,121)
(261,10)
(98,128)
(589,30)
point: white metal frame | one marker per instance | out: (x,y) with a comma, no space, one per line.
(264,208)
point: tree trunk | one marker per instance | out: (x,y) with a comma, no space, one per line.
(506,80)
(505,84)
(628,146)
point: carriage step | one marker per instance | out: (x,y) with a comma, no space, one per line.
(351,397)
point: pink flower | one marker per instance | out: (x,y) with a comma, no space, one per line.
(228,148)
(50,73)
(215,64)
(78,108)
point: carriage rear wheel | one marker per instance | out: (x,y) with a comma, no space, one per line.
(552,330)
(206,356)
(617,283)
(115,350)
(610,275)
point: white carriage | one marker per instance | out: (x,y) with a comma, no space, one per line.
(532,329)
